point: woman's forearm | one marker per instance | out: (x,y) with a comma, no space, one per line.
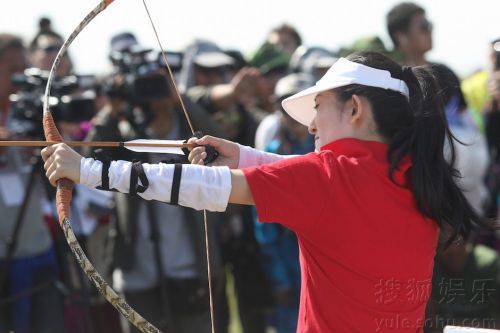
(240,191)
(200,187)
(253,157)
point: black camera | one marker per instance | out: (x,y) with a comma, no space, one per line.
(71,100)
(140,77)
(144,72)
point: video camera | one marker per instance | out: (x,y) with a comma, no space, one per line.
(72,100)
(144,73)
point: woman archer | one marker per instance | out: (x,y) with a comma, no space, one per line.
(367,206)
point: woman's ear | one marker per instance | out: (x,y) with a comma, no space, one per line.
(357,109)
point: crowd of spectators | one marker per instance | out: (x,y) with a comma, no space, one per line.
(153,253)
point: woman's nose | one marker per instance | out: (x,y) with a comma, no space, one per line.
(312,128)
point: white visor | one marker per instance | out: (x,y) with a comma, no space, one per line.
(343,72)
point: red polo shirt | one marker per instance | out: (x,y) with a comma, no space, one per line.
(366,253)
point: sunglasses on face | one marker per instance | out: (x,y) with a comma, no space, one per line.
(425,26)
(51,48)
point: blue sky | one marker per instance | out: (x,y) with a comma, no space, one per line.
(462,29)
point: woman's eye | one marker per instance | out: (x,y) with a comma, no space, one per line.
(316,107)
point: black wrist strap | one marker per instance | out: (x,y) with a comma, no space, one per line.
(176,184)
(106,163)
(137,173)
(105,175)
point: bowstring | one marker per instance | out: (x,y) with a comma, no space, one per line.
(188,118)
(170,73)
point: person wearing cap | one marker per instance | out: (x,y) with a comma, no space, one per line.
(227,93)
(315,61)
(366,207)
(278,245)
(269,127)
(161,273)
(272,62)
(123,42)
(224,91)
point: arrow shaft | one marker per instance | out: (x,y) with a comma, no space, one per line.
(92,144)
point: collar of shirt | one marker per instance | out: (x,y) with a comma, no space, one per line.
(352,147)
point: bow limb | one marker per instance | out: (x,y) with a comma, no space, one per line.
(65,189)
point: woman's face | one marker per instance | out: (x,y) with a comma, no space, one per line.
(332,120)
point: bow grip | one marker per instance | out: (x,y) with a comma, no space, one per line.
(64,186)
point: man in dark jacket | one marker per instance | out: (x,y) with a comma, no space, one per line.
(160,262)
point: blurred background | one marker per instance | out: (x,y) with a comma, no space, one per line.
(461,30)
(234,63)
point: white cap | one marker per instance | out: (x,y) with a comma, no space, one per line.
(213,59)
(292,84)
(343,72)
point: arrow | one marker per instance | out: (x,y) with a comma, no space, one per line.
(139,145)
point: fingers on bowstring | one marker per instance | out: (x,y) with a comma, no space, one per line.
(191,141)
(207,140)
(199,158)
(202,157)
(195,153)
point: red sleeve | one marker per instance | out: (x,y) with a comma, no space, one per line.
(292,191)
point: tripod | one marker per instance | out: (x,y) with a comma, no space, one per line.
(12,243)
(14,237)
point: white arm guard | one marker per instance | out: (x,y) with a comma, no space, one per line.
(253,157)
(200,187)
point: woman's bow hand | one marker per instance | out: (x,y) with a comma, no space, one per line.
(61,162)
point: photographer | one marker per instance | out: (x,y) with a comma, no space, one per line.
(12,60)
(43,51)
(228,92)
(211,79)
(159,253)
(29,298)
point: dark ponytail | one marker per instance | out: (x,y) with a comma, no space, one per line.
(418,128)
